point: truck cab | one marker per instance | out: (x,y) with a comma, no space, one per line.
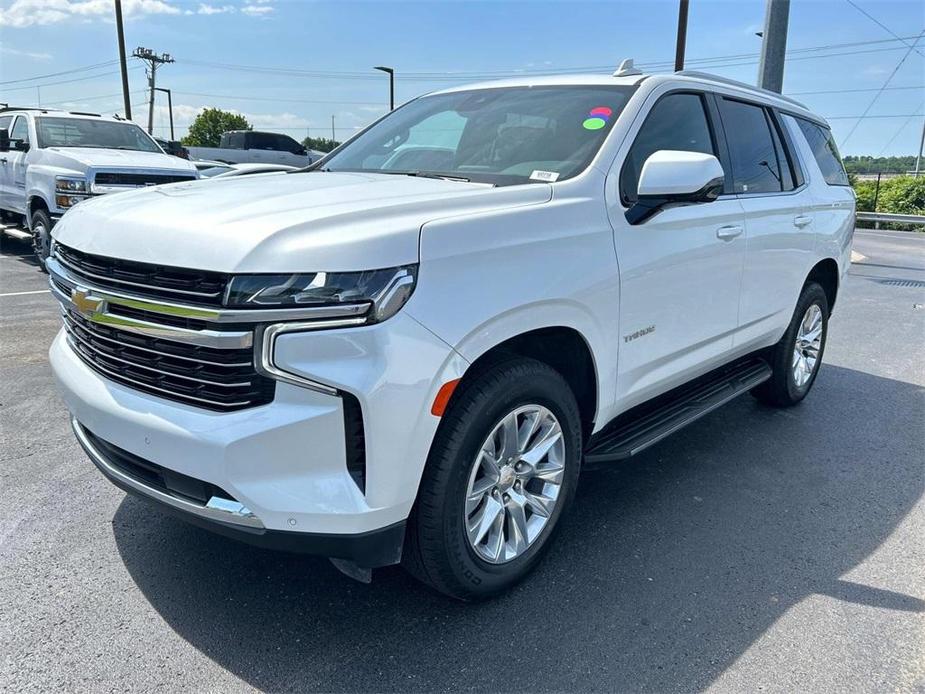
(52,160)
(256,147)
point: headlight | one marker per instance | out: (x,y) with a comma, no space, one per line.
(387,290)
(70,184)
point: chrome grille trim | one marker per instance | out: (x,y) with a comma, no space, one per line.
(90,346)
(60,274)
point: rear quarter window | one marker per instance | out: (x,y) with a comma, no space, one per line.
(822,143)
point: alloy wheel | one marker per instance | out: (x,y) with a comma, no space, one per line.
(807,345)
(514,484)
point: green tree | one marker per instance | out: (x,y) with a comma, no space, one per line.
(321,144)
(207,129)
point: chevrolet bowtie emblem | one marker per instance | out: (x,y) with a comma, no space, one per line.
(86,304)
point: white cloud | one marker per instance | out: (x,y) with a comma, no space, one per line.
(261,10)
(25,54)
(24,13)
(212,9)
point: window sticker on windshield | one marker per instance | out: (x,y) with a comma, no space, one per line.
(597,118)
(548,176)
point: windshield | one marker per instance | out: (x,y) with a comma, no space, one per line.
(214,171)
(502,136)
(86,132)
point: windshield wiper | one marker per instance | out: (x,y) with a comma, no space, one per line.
(433,174)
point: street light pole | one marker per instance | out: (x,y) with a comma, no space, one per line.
(774,45)
(123,66)
(682,36)
(169,107)
(391,73)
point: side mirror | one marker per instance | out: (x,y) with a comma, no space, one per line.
(21,145)
(4,140)
(671,177)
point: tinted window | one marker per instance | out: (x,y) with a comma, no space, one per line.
(826,153)
(755,167)
(678,122)
(502,135)
(235,140)
(287,144)
(783,156)
(20,130)
(88,132)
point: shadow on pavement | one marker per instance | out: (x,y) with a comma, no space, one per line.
(667,569)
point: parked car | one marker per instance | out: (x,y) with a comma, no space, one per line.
(173,147)
(252,146)
(52,160)
(229,170)
(383,365)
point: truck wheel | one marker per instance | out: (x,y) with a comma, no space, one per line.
(502,470)
(41,236)
(796,359)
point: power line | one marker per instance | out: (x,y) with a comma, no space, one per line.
(882,88)
(898,131)
(270,98)
(69,81)
(63,72)
(853,91)
(410,75)
(878,23)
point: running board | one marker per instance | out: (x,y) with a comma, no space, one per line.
(649,423)
(15,232)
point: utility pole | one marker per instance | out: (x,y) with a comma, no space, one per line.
(124,67)
(918,159)
(333,139)
(681,45)
(774,45)
(153,61)
(391,73)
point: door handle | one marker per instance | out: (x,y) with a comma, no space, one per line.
(3,161)
(727,233)
(802,221)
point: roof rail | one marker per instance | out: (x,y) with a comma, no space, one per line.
(23,108)
(84,113)
(736,83)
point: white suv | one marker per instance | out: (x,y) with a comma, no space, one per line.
(408,353)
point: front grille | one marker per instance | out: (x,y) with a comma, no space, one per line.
(172,283)
(139,179)
(215,379)
(155,476)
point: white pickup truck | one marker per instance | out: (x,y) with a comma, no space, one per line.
(254,147)
(383,363)
(52,160)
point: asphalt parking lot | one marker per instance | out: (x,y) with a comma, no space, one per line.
(758,549)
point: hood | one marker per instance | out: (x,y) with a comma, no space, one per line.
(302,222)
(96,158)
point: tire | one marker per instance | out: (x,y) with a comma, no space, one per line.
(787,386)
(438,548)
(41,236)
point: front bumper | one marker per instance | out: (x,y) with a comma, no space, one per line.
(285,462)
(371,549)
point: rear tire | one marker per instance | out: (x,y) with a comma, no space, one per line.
(796,359)
(474,474)
(41,237)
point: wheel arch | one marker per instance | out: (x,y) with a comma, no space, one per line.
(563,348)
(825,273)
(33,204)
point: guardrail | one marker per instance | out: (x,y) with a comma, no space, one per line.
(879,217)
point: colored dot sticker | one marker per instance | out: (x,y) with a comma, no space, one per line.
(593,123)
(601,111)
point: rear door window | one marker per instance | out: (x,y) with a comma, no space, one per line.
(676,122)
(822,143)
(756,167)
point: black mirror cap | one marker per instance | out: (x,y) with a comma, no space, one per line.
(4,140)
(648,206)
(21,145)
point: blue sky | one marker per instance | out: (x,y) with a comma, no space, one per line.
(429,43)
